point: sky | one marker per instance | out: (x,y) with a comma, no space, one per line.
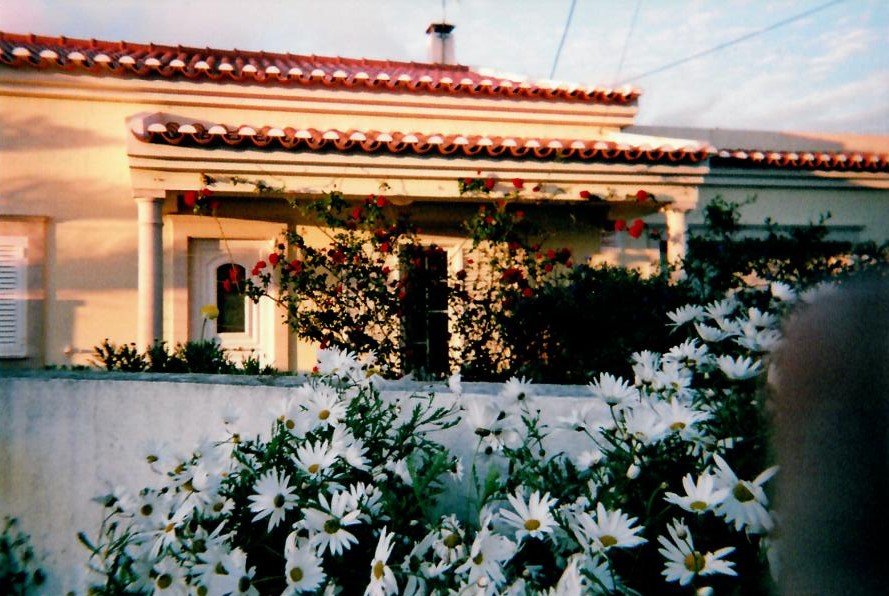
(827,72)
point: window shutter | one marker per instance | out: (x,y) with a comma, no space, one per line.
(13,292)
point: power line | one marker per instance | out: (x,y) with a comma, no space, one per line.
(623,52)
(552,73)
(732,42)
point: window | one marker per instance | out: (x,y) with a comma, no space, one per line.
(12,296)
(230,303)
(425,319)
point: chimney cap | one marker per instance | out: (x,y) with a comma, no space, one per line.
(440,28)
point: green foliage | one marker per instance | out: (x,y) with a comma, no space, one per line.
(722,256)
(124,358)
(18,572)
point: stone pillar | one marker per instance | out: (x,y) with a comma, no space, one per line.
(677,235)
(150,326)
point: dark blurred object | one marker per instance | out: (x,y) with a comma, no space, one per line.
(831,435)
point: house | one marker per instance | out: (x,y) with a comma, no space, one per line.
(102,142)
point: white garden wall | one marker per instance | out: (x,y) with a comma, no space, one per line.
(66,438)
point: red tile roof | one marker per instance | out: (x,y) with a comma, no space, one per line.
(124,59)
(169,132)
(802,160)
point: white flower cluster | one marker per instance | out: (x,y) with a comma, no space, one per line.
(662,464)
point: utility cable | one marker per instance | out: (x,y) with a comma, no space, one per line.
(552,72)
(732,42)
(623,52)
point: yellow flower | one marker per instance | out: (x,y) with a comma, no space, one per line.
(209,311)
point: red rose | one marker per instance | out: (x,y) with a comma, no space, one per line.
(297,266)
(620,225)
(233,274)
(381,201)
(642,196)
(636,228)
(518,183)
(384,247)
(260,264)
(519,214)
(550,254)
(356,213)
(227,286)
(190,198)
(274,258)
(489,183)
(489,220)
(467,181)
(206,192)
(548,267)
(585,194)
(527,292)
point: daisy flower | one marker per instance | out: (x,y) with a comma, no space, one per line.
(738,368)
(237,579)
(759,340)
(781,291)
(517,390)
(326,526)
(745,503)
(685,314)
(645,425)
(486,557)
(170,578)
(710,334)
(324,408)
(533,518)
(350,449)
(382,579)
(679,417)
(673,377)
(571,582)
(645,366)
(302,567)
(614,391)
(315,458)
(273,498)
(608,529)
(721,308)
(687,352)
(699,496)
(684,563)
(448,542)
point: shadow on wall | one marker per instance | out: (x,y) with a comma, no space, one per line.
(65,199)
(29,134)
(832,415)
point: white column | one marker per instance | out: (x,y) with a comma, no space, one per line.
(677,235)
(150,326)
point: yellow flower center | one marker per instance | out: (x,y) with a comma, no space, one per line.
(742,493)
(296,574)
(151,459)
(218,506)
(695,562)
(169,528)
(290,424)
(324,414)
(452,541)
(278,501)
(608,540)
(478,559)
(313,469)
(332,526)
(378,570)
(164,581)
(532,524)
(698,506)
(677,426)
(146,509)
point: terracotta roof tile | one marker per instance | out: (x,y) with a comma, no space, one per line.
(157,129)
(150,61)
(821,160)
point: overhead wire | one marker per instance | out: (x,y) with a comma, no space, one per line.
(623,52)
(552,72)
(732,42)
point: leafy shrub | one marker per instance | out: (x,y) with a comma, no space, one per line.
(18,574)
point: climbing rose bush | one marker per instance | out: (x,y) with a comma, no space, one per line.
(664,489)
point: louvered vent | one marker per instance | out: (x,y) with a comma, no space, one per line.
(12,296)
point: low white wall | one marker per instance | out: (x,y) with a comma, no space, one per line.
(68,438)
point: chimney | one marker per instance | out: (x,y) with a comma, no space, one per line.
(440,43)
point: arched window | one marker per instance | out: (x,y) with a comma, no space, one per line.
(229,301)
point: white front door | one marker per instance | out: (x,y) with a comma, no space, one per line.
(243,329)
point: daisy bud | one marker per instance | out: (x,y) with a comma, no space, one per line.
(633,472)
